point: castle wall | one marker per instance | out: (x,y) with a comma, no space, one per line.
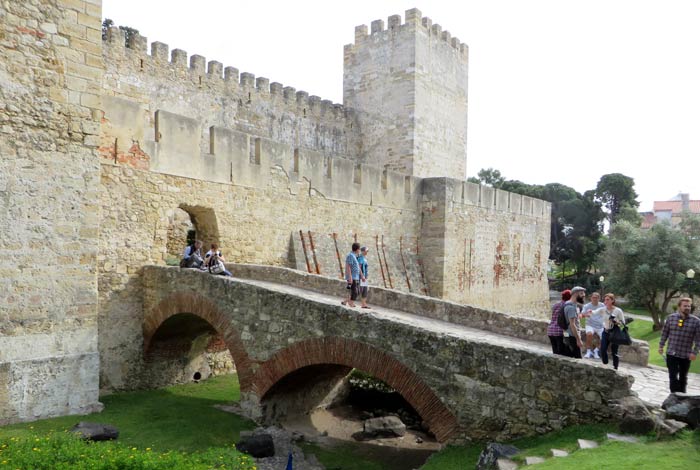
(408,83)
(485,247)
(256,223)
(175,105)
(50,71)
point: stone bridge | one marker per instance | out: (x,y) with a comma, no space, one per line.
(292,342)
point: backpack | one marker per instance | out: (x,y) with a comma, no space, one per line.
(216,266)
(562,321)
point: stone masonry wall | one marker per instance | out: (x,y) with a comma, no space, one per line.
(254,224)
(408,83)
(50,75)
(485,247)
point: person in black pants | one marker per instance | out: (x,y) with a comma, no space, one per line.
(554,331)
(682,331)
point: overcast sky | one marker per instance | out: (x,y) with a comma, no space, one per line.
(559,91)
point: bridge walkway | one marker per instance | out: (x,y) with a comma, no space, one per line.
(650,383)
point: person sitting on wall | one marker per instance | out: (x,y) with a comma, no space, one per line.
(192,256)
(214,261)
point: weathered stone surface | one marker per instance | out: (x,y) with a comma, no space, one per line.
(586,444)
(683,407)
(258,445)
(635,417)
(95,431)
(533,460)
(671,426)
(49,211)
(494,451)
(559,453)
(506,464)
(386,426)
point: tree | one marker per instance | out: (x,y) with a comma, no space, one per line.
(576,229)
(649,266)
(615,191)
(488,177)
(129,32)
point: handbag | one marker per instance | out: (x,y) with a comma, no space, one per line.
(620,336)
(217,268)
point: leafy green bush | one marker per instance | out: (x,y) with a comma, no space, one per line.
(64,451)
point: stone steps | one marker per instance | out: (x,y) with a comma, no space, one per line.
(583,444)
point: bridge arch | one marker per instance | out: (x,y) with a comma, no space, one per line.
(195,304)
(354,354)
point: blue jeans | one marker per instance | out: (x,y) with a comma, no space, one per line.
(604,343)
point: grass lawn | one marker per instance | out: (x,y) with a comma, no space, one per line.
(179,418)
(682,452)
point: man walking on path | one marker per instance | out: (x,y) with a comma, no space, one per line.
(364,271)
(571,313)
(594,325)
(352,275)
(682,330)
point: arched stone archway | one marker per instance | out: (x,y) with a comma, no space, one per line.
(195,304)
(354,354)
(205,223)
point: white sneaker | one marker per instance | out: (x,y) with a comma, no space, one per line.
(595,354)
(589,354)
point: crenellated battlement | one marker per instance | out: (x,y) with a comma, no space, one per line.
(213,74)
(414,21)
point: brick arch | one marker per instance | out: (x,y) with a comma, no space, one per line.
(193,303)
(351,353)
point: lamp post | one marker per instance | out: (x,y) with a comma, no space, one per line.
(690,276)
(602,280)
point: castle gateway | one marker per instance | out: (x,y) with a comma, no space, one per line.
(112,151)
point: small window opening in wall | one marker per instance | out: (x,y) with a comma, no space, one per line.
(407,184)
(328,167)
(200,80)
(211,141)
(254,150)
(296,161)
(357,174)
(248,97)
(141,63)
(304,112)
(384,179)
(197,377)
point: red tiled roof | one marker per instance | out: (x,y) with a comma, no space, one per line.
(676,207)
(649,220)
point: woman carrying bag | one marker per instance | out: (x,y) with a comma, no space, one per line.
(613,319)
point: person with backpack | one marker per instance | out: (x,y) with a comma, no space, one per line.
(554,331)
(572,333)
(214,261)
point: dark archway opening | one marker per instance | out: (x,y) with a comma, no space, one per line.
(334,402)
(186,224)
(185,348)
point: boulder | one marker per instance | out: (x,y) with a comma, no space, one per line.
(671,426)
(488,460)
(96,431)
(387,426)
(258,445)
(684,408)
(635,417)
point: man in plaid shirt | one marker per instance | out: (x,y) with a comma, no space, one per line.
(682,330)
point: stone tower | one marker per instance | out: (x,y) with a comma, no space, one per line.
(409,84)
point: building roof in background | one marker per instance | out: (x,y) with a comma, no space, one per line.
(676,207)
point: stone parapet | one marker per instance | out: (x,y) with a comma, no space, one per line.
(497,322)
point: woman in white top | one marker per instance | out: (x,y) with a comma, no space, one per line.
(611,316)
